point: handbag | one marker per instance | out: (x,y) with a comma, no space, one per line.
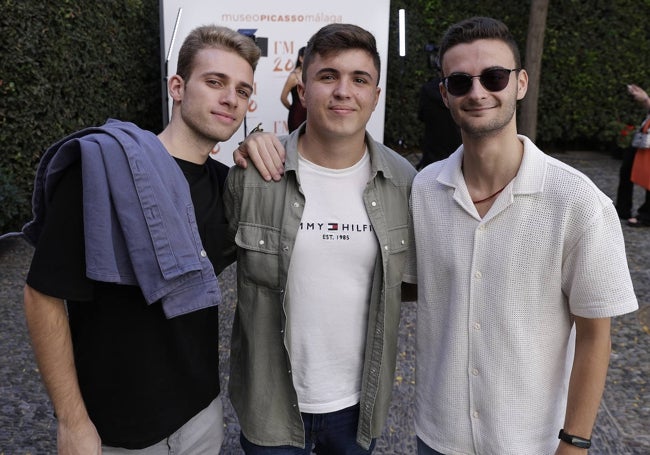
(641,168)
(641,138)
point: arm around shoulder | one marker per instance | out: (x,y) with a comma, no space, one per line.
(265,151)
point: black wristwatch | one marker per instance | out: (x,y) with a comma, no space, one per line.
(574,440)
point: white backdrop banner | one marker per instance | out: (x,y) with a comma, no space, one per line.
(280,27)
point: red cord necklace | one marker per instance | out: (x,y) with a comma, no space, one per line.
(490,196)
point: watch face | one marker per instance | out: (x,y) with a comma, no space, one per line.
(575,441)
(580,443)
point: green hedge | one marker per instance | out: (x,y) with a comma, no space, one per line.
(426,21)
(71,64)
(592,49)
(67,65)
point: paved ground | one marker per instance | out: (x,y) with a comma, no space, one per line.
(623,426)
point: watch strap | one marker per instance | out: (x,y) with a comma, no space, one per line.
(574,440)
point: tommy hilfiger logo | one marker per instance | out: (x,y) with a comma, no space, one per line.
(337,227)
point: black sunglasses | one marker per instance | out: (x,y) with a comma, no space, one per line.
(493,79)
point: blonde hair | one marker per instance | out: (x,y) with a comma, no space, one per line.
(215,36)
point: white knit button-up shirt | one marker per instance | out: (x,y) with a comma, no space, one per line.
(494,301)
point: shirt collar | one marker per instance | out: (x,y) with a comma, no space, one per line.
(378,161)
(529,179)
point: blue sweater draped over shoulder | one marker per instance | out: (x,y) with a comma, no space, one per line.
(139,222)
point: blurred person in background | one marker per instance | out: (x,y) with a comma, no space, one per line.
(297,112)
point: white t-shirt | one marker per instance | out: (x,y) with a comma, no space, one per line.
(494,296)
(328,287)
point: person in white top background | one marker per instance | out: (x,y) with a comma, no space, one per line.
(520,265)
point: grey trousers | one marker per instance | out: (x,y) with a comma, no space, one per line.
(202,434)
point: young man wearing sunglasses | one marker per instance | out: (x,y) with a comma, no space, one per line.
(515,252)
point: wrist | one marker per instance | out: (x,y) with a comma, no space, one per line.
(574,440)
(567,449)
(257,129)
(72,414)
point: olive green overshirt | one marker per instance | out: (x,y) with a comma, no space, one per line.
(263,221)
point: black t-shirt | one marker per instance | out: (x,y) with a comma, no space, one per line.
(142,376)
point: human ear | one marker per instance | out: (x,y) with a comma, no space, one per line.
(176,87)
(522,84)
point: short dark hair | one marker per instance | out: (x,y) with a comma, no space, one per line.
(334,38)
(215,37)
(477,28)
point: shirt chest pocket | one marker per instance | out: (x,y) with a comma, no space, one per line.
(396,251)
(258,260)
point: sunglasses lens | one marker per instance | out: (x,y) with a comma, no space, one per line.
(458,84)
(495,80)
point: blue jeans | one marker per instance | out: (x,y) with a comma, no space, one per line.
(424,449)
(325,434)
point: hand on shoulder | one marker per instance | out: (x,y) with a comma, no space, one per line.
(265,151)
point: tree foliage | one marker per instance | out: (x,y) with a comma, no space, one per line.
(67,65)
(592,49)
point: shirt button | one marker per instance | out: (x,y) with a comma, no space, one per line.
(203,253)
(285,248)
(403,242)
(481,227)
(296,204)
(478,274)
(475,372)
(261,242)
(386,247)
(477,326)
(475,414)
(373,203)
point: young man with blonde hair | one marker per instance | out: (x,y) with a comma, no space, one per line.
(121,296)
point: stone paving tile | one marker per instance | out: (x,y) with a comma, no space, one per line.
(27,426)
